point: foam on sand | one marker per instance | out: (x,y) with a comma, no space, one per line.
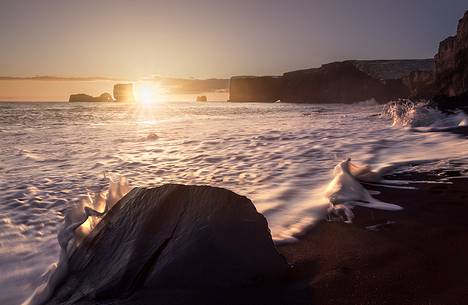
(345,190)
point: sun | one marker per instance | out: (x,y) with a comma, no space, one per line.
(149,93)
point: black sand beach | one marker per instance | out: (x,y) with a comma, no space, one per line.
(414,256)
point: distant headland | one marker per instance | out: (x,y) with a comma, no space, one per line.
(443,79)
(121,93)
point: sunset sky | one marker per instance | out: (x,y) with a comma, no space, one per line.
(209,38)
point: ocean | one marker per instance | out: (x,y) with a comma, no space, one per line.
(281,156)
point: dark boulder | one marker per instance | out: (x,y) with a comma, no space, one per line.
(168,244)
(451,103)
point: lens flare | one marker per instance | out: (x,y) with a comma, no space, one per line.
(149,93)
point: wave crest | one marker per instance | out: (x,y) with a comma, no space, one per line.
(346,191)
(406,113)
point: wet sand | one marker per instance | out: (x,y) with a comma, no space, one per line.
(415,256)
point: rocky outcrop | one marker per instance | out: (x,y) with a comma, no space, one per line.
(124,93)
(105,97)
(173,241)
(201,98)
(452,63)
(338,82)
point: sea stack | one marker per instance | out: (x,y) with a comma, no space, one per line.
(124,93)
(105,97)
(201,98)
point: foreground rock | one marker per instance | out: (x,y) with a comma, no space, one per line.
(338,82)
(105,97)
(124,93)
(170,242)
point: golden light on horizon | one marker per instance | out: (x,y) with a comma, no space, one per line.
(149,93)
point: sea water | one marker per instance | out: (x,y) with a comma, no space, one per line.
(282,156)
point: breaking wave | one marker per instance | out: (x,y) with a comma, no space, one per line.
(346,191)
(80,219)
(406,113)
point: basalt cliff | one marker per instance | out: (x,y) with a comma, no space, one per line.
(451,79)
(444,79)
(338,82)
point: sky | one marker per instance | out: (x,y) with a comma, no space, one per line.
(137,39)
(213,38)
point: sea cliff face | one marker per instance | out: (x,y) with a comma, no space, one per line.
(255,89)
(420,84)
(452,62)
(338,82)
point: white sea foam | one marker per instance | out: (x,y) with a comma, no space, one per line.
(80,219)
(406,113)
(346,191)
(271,153)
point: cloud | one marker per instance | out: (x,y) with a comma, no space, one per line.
(192,86)
(171,84)
(61,78)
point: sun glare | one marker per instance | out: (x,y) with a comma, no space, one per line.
(149,93)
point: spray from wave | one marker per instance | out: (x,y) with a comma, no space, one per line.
(346,191)
(80,220)
(406,113)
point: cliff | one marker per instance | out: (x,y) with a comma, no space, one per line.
(124,93)
(255,89)
(452,62)
(105,97)
(420,84)
(338,82)
(394,69)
